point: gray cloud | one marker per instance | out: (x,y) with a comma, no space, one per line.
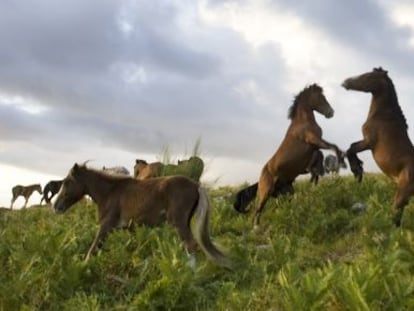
(366,26)
(131,76)
(118,80)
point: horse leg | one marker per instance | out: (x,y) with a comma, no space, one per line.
(107,226)
(314,178)
(401,199)
(313,139)
(182,224)
(265,188)
(354,162)
(26,199)
(12,201)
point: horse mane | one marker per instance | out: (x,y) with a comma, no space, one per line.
(298,98)
(396,108)
(100,173)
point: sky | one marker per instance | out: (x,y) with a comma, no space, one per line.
(113,81)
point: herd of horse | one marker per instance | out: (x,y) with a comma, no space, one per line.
(161,193)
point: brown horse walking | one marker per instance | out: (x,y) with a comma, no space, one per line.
(385,134)
(24,191)
(303,138)
(122,201)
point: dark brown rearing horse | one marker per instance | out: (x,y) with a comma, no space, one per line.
(123,201)
(246,195)
(385,134)
(24,191)
(302,140)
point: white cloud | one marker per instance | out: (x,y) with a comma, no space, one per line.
(113,81)
(403,15)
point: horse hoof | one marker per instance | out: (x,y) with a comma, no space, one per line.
(358,208)
(192,262)
(397,220)
(397,223)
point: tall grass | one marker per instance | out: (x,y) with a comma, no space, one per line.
(311,252)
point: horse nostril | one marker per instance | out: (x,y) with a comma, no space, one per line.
(345,84)
(330,113)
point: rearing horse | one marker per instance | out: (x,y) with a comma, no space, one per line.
(385,134)
(302,140)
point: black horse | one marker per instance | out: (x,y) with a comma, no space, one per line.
(53,187)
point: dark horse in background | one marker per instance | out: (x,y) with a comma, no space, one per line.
(124,201)
(24,191)
(52,188)
(296,153)
(385,134)
(331,164)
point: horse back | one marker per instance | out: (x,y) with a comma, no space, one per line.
(155,200)
(17,190)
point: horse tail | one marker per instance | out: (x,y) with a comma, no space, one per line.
(244,197)
(201,230)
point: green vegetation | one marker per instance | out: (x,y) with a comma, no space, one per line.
(312,252)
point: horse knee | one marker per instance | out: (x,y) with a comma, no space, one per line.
(186,236)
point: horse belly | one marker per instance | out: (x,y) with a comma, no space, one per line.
(143,208)
(392,158)
(294,161)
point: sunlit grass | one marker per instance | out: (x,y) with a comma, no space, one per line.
(311,252)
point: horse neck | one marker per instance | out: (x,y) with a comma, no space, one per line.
(385,104)
(97,185)
(303,114)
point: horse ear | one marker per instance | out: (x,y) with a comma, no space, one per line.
(76,167)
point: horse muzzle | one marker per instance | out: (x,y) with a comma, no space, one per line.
(59,208)
(330,113)
(347,84)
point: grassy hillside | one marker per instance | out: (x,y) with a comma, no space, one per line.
(312,252)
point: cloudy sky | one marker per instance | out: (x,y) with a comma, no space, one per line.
(114,81)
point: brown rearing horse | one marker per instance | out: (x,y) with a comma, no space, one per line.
(123,201)
(385,134)
(246,195)
(302,139)
(24,191)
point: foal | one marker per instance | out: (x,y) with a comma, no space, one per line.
(122,201)
(24,191)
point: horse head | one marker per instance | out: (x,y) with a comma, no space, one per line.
(370,82)
(72,189)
